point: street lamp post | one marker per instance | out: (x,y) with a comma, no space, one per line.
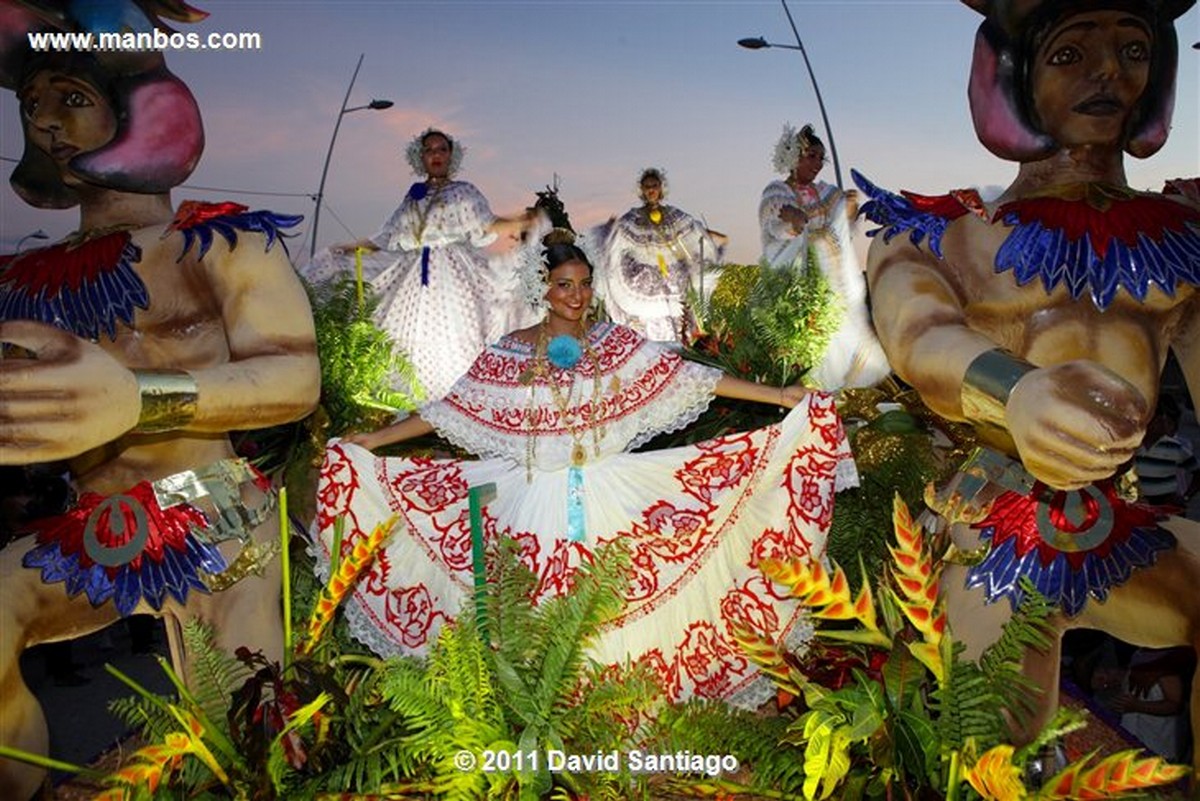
(758,43)
(374,105)
(38,234)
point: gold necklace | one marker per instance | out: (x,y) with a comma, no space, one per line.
(576,420)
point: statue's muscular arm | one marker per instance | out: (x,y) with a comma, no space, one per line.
(1072,421)
(74,395)
(273,375)
(1186,346)
(920,318)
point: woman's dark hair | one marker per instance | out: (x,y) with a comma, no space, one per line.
(425,137)
(808,139)
(651,172)
(559,252)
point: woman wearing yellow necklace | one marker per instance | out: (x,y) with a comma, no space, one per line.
(553,411)
(655,257)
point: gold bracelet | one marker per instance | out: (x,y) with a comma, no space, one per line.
(169,400)
(988,382)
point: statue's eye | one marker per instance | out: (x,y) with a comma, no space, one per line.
(1064,56)
(1136,51)
(76,99)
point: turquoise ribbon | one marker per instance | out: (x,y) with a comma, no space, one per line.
(575,528)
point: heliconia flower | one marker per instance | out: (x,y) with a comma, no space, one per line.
(771,658)
(995,777)
(828,597)
(193,739)
(930,655)
(1119,773)
(334,592)
(914,578)
(148,765)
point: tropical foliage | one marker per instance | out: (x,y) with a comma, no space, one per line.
(359,362)
(767,325)
(892,709)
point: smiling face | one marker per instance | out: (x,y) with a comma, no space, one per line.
(569,295)
(65,116)
(808,165)
(435,155)
(1088,75)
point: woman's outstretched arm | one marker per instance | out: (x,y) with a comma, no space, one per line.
(730,387)
(410,427)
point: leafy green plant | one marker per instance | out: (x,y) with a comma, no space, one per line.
(763,325)
(767,325)
(894,708)
(249,728)
(528,688)
(359,362)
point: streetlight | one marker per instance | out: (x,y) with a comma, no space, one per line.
(758,43)
(38,234)
(374,105)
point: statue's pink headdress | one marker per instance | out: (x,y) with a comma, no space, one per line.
(159,135)
(1004,45)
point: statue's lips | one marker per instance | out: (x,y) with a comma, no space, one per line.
(1100,106)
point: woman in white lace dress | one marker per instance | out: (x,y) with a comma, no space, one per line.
(806,222)
(441,298)
(654,258)
(552,411)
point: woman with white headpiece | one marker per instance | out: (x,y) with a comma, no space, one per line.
(655,257)
(553,410)
(441,298)
(805,223)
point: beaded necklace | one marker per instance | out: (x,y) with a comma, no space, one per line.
(578,418)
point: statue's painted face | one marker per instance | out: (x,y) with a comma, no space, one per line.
(65,116)
(1087,76)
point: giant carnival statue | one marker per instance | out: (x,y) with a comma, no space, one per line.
(132,348)
(1045,318)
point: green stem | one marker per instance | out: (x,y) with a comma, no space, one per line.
(46,762)
(954,776)
(372,662)
(380,731)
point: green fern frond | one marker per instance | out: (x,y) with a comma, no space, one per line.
(573,621)
(704,726)
(213,674)
(359,362)
(1001,662)
(967,707)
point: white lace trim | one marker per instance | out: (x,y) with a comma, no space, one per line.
(490,419)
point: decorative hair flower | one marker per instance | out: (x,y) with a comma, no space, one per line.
(413,153)
(564,352)
(791,146)
(787,150)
